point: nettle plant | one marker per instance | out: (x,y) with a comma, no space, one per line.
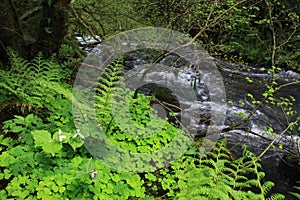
(43,156)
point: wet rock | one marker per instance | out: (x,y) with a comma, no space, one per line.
(290,166)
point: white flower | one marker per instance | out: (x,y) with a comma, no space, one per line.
(61,137)
(78,134)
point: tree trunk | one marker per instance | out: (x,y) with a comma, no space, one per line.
(10,30)
(29,27)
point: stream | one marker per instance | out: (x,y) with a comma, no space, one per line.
(253,130)
(237,88)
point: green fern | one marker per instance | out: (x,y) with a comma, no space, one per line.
(37,86)
(216,177)
(140,120)
(132,125)
(276,197)
(38,68)
(296,194)
(30,81)
(105,90)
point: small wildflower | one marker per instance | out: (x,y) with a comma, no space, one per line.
(20,137)
(78,134)
(99,127)
(61,137)
(93,172)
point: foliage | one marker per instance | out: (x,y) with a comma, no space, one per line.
(141,130)
(30,27)
(216,176)
(262,33)
(57,171)
(37,86)
(273,102)
(131,126)
(296,194)
(43,158)
(237,30)
(240,31)
(93,18)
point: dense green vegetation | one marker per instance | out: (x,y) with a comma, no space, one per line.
(43,155)
(255,32)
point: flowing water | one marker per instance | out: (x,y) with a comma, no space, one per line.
(237,88)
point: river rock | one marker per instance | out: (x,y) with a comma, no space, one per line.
(290,166)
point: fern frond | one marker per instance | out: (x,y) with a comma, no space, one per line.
(260,175)
(276,197)
(297,195)
(266,187)
(30,82)
(219,178)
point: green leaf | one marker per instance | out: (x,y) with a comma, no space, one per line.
(89,166)
(42,138)
(17,129)
(115,178)
(76,143)
(48,30)
(7,174)
(6,159)
(151,177)
(19,120)
(248,80)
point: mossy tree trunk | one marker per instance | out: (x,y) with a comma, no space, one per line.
(30,27)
